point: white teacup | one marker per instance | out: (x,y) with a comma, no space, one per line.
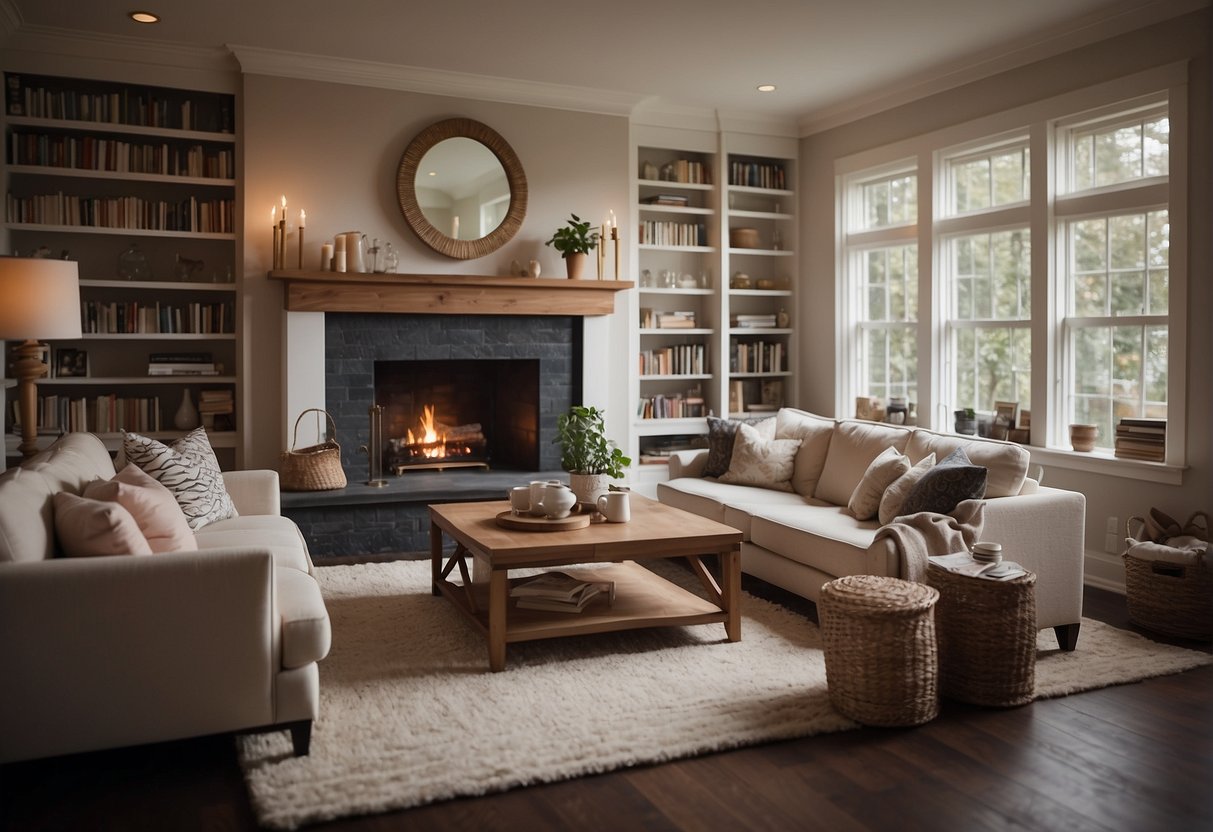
(615,507)
(520,499)
(537,487)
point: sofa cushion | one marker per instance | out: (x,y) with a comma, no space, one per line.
(273,531)
(722,434)
(1006,462)
(895,495)
(150,503)
(765,463)
(27,517)
(883,471)
(72,462)
(853,446)
(88,528)
(944,486)
(187,468)
(822,536)
(306,632)
(814,433)
(724,503)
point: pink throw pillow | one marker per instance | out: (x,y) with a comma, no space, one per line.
(151,504)
(87,527)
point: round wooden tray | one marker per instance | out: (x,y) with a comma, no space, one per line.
(527,523)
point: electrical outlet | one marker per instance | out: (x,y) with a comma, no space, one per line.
(1113,525)
(1112,543)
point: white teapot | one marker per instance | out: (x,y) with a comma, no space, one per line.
(557,501)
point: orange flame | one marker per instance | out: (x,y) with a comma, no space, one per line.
(434,443)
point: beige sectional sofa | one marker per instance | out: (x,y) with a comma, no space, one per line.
(100,652)
(803,538)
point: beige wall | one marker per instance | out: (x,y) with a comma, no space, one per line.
(334,149)
(1185,38)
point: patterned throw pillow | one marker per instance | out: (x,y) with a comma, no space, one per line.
(189,470)
(722,433)
(895,495)
(766,463)
(949,483)
(883,471)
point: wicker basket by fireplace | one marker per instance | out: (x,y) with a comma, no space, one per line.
(316,467)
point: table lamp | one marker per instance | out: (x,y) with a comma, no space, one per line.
(39,298)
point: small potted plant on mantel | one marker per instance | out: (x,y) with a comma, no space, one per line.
(585,452)
(574,241)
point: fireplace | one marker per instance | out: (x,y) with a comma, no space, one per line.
(510,374)
(459,413)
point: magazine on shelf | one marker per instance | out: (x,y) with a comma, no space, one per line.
(560,592)
(962,563)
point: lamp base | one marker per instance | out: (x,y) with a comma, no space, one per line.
(28,367)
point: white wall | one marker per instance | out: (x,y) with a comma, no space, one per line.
(334,150)
(1185,38)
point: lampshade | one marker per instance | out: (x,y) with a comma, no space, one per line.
(39,299)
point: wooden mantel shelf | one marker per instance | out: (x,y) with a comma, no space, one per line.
(448,294)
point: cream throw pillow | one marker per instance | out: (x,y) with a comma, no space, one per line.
(761,462)
(151,504)
(895,494)
(889,465)
(96,527)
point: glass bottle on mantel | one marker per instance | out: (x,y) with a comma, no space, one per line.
(391,260)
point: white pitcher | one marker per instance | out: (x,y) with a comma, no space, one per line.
(355,251)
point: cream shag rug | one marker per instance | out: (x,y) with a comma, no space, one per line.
(409,713)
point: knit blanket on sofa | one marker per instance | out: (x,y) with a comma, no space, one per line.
(918,536)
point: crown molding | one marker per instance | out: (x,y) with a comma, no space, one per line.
(1085,30)
(10,19)
(258,61)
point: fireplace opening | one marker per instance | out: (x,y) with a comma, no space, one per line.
(459,413)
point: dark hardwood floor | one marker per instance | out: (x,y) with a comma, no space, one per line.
(1134,757)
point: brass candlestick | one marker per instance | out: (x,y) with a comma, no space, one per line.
(601,251)
(615,239)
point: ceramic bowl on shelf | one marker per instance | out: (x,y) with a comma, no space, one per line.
(743,237)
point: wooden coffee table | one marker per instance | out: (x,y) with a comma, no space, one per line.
(642,599)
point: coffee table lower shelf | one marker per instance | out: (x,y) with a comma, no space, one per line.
(642,599)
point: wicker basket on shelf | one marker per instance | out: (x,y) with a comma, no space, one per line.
(882,666)
(314,468)
(987,638)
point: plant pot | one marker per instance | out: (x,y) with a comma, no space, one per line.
(965,424)
(575,263)
(1083,437)
(589,487)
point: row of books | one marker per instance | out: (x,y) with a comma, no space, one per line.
(755,396)
(659,319)
(673,200)
(92,153)
(30,98)
(679,359)
(753,321)
(1144,439)
(758,357)
(677,406)
(656,233)
(758,175)
(132,317)
(101,414)
(214,216)
(687,171)
(560,592)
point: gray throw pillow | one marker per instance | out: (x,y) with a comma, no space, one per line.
(722,434)
(949,483)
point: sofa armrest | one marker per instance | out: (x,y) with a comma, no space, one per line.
(688,463)
(109,651)
(254,492)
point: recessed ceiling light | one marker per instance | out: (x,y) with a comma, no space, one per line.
(433,173)
(145,17)
(766,88)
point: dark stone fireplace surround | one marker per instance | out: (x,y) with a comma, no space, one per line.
(359,520)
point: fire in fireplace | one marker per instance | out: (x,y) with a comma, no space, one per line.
(436,445)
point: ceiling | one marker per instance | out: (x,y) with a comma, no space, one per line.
(828,58)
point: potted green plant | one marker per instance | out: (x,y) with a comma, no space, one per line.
(590,458)
(574,241)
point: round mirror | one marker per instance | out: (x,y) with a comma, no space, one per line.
(461,188)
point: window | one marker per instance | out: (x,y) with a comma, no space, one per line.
(882,268)
(1098,256)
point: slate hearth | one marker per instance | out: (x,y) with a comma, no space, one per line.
(362,520)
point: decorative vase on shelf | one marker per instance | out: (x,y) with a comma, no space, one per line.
(187,414)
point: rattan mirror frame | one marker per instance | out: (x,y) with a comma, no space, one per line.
(406,178)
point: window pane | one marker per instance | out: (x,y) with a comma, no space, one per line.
(876,205)
(993,364)
(1156,143)
(1157,250)
(890,202)
(1110,155)
(1117,156)
(1011,177)
(972,185)
(1156,371)
(1088,269)
(992,276)
(891,289)
(1083,174)
(1119,372)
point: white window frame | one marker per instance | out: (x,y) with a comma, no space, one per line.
(1050,205)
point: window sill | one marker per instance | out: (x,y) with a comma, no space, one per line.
(1103,462)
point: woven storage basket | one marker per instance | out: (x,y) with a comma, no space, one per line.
(987,638)
(315,468)
(1175,599)
(882,667)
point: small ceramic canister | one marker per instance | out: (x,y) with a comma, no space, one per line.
(520,499)
(537,487)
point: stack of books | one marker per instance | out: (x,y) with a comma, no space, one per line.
(753,321)
(560,592)
(182,364)
(216,407)
(676,320)
(1144,439)
(667,199)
